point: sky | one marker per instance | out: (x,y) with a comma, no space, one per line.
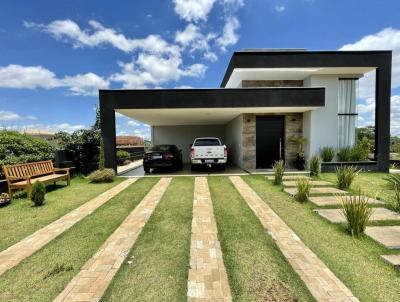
(55,55)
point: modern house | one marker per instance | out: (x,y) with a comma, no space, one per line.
(266,99)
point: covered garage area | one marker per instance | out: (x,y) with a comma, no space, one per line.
(177,116)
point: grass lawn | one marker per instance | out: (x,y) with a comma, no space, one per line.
(370,183)
(20,218)
(256,269)
(355,261)
(160,257)
(45,274)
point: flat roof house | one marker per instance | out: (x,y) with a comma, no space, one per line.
(266,98)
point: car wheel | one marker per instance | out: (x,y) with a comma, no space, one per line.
(146,169)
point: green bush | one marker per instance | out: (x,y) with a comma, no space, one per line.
(303,189)
(121,154)
(279,169)
(327,154)
(345,154)
(315,166)
(393,181)
(357,213)
(38,192)
(394,202)
(105,175)
(361,151)
(345,176)
(18,148)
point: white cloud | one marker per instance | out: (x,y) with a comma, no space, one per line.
(32,77)
(99,35)
(85,84)
(192,37)
(280,8)
(133,123)
(9,116)
(229,35)
(193,10)
(31,117)
(150,69)
(386,39)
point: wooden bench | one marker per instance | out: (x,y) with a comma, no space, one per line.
(22,176)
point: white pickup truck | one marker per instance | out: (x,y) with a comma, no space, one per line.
(208,151)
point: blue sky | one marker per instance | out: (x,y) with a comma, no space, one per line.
(54,55)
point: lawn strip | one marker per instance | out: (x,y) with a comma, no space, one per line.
(257,270)
(45,274)
(356,262)
(20,218)
(156,269)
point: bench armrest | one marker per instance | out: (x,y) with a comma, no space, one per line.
(65,170)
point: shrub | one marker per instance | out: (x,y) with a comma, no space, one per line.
(315,166)
(393,181)
(345,176)
(357,213)
(105,175)
(345,154)
(121,154)
(327,154)
(18,148)
(38,192)
(303,189)
(361,151)
(394,202)
(279,169)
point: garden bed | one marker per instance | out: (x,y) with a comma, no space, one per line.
(370,166)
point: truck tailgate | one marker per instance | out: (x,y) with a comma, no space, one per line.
(209,152)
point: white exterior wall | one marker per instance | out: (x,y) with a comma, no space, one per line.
(320,126)
(233,140)
(183,136)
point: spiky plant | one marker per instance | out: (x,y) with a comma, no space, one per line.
(315,166)
(327,154)
(279,169)
(345,176)
(303,189)
(357,213)
(393,181)
(394,201)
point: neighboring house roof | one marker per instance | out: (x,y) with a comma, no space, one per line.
(129,140)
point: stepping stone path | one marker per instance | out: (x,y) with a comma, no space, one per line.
(26,247)
(388,236)
(326,190)
(378,214)
(318,278)
(207,279)
(96,275)
(289,177)
(392,260)
(336,200)
(314,183)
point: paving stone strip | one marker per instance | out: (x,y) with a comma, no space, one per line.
(34,242)
(207,279)
(337,200)
(318,278)
(337,216)
(95,276)
(316,191)
(313,183)
(393,260)
(388,236)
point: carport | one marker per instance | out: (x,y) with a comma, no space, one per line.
(177,116)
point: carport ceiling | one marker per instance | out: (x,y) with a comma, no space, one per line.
(199,116)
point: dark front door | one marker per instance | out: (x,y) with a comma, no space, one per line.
(269,140)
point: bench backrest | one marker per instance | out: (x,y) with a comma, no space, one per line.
(29,169)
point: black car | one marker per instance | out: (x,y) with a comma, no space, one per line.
(162,156)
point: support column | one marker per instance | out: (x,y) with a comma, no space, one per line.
(382,115)
(107,122)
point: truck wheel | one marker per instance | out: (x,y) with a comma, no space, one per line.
(146,169)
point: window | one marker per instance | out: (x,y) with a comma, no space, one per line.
(207,142)
(347,113)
